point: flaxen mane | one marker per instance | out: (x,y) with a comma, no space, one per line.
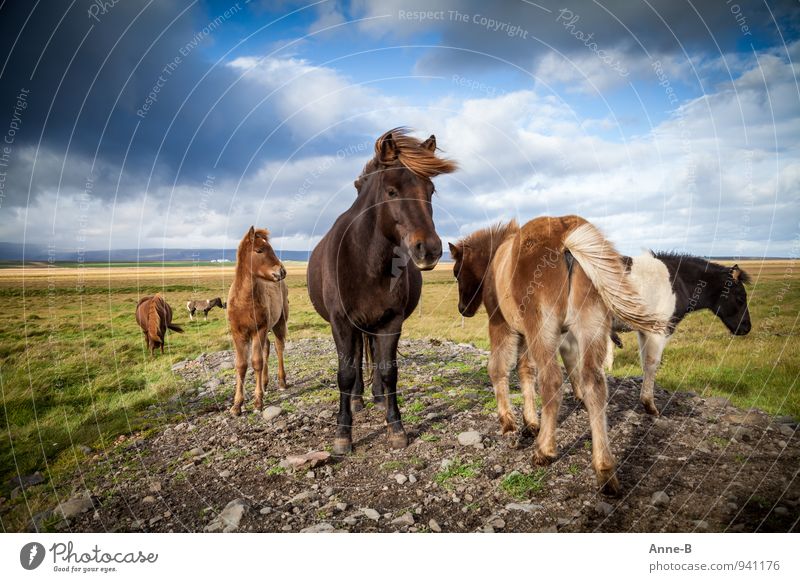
(153,318)
(410,153)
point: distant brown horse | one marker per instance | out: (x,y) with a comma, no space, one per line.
(364,275)
(552,285)
(154,316)
(258,302)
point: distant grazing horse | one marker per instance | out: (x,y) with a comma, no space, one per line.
(258,302)
(364,275)
(550,286)
(673,285)
(204,305)
(154,316)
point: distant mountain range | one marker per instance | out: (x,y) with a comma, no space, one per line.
(38,253)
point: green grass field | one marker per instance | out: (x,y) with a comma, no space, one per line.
(74,369)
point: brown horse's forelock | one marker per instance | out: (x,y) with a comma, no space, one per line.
(410,154)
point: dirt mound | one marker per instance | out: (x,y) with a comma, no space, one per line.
(702,466)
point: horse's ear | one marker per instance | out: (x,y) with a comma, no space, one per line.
(388,149)
(455,252)
(430,143)
(736,272)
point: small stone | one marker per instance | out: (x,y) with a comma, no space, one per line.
(496,522)
(265,510)
(271,413)
(562,521)
(604,508)
(300,497)
(73,507)
(225,474)
(400,478)
(229,518)
(701,524)
(341,506)
(149,499)
(155,487)
(350,520)
(469,438)
(311,459)
(406,519)
(155,520)
(196,452)
(434,526)
(526,507)
(787,430)
(27,481)
(371,513)
(323,527)
(659,499)
(780,510)
(180,365)
(412,478)
(445,464)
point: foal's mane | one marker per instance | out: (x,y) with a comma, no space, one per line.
(410,154)
(488,239)
(690,261)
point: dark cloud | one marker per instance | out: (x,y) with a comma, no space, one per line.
(524,32)
(88,80)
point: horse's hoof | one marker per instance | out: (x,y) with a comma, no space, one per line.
(508,424)
(513,440)
(356,404)
(342,446)
(650,407)
(398,440)
(540,459)
(379,402)
(281,384)
(608,483)
(236,411)
(529,430)
(258,405)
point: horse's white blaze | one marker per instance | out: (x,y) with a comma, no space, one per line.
(651,279)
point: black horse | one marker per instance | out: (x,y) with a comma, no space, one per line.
(364,275)
(675,285)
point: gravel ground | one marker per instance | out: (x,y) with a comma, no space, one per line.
(704,465)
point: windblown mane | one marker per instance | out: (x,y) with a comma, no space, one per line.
(410,154)
(488,239)
(697,263)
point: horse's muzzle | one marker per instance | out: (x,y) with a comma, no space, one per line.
(279,274)
(426,253)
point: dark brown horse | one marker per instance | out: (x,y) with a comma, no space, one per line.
(364,275)
(258,302)
(154,316)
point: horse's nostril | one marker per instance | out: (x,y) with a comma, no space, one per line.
(420,248)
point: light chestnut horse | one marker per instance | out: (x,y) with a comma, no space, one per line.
(550,286)
(204,305)
(154,316)
(258,302)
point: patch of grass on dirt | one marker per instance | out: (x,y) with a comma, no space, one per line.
(523,485)
(429,438)
(458,469)
(276,470)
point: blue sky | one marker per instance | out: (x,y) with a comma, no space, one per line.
(672,125)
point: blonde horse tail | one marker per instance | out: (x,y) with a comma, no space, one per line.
(603,265)
(154,318)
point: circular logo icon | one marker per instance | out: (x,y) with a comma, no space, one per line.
(31,555)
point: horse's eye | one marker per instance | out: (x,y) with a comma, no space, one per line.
(392,193)
(259,251)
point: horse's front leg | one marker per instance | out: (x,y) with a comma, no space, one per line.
(386,367)
(345,337)
(241,345)
(504,345)
(259,353)
(357,395)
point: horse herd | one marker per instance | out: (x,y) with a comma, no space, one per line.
(553,286)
